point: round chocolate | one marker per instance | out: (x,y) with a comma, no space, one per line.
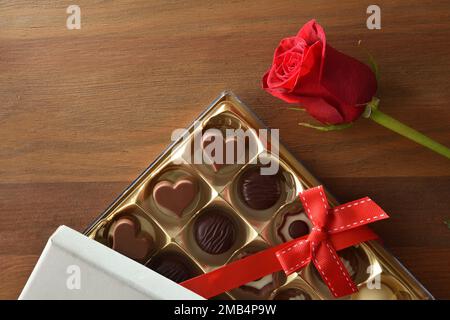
(215,232)
(298,228)
(172,266)
(259,192)
(292,294)
(294,224)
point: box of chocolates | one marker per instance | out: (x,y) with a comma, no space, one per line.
(183,217)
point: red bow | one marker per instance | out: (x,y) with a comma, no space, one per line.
(333,229)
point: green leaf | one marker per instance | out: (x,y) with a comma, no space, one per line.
(373,65)
(372,62)
(331,127)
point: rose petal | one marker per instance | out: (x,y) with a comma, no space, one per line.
(322,110)
(349,81)
(278,92)
(282,75)
(287,45)
(312,32)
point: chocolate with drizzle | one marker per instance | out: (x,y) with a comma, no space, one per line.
(215,232)
(259,192)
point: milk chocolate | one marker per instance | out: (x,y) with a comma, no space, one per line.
(128,240)
(174,198)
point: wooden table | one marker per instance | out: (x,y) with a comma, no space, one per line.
(83,112)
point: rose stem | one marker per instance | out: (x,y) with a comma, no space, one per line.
(396,126)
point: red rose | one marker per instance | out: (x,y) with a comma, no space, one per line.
(332,86)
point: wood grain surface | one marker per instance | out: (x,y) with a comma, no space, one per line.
(83,112)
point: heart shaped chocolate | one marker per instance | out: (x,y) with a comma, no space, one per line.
(175,197)
(228,143)
(127,240)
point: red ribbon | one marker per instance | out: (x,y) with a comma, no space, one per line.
(333,229)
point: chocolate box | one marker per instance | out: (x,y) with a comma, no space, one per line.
(182,218)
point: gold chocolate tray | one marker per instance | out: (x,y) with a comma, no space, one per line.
(166,207)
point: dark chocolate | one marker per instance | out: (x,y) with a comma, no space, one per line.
(294,224)
(215,232)
(298,228)
(173,266)
(292,294)
(129,241)
(259,192)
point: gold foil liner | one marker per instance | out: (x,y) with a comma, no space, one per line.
(217,189)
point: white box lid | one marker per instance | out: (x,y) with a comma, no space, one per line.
(72,266)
